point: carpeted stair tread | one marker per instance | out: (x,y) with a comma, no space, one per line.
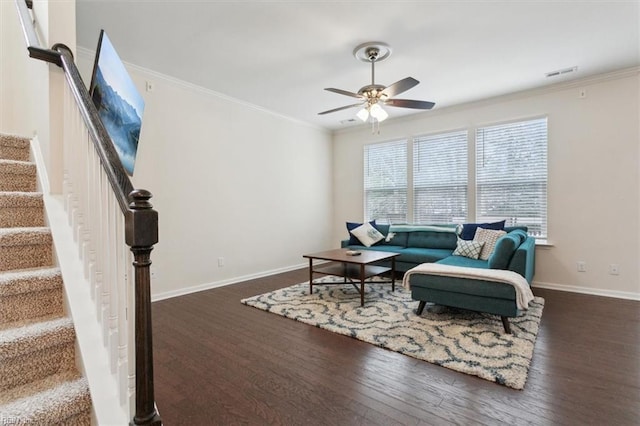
(18,167)
(21,209)
(17,176)
(21,199)
(30,293)
(29,280)
(22,248)
(60,399)
(29,321)
(25,236)
(35,351)
(14,148)
(18,341)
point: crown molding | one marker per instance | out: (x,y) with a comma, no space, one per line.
(513,96)
(90,54)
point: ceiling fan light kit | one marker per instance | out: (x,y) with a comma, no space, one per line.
(373,95)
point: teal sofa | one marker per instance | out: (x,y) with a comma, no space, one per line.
(515,251)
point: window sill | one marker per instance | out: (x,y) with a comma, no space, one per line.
(545,244)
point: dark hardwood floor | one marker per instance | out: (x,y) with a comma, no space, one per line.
(219,362)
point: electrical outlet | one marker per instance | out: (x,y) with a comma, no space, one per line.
(220,262)
(150,86)
(582,266)
(614,269)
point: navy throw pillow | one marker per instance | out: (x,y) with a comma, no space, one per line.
(469,229)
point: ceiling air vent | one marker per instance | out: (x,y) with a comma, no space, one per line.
(561,72)
(348,120)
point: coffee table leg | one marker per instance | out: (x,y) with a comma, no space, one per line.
(393,273)
(310,275)
(362,285)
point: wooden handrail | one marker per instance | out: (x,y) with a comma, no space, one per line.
(120,182)
(141,220)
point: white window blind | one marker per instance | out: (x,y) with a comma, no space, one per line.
(385,182)
(440,178)
(511,174)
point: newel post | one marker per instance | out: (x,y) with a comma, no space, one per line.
(141,233)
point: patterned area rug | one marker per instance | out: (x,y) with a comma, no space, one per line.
(465,341)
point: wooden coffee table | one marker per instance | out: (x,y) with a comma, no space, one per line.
(352,268)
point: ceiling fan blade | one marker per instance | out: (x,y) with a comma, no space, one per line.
(408,103)
(341,108)
(344,92)
(400,86)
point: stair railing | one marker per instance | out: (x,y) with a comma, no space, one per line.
(106,214)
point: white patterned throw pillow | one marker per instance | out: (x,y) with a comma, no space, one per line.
(367,234)
(489,238)
(468,248)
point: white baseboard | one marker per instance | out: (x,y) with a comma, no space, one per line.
(587,290)
(216,284)
(536,284)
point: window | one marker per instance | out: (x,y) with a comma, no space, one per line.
(511,174)
(440,178)
(510,179)
(385,181)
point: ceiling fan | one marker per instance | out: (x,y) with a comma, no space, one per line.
(373,95)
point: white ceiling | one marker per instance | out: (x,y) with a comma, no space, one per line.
(280,55)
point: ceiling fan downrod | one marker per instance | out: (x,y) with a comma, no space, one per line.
(372,54)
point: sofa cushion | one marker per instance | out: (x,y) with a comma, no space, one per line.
(469,229)
(508,229)
(488,289)
(422,255)
(382,228)
(367,234)
(470,249)
(432,240)
(522,234)
(395,239)
(489,237)
(504,249)
(464,261)
(353,225)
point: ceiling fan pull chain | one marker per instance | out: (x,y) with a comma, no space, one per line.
(375,126)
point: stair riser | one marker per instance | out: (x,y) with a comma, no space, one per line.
(23,306)
(27,256)
(15,217)
(17,182)
(36,365)
(14,153)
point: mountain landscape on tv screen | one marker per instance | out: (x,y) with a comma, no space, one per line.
(119,118)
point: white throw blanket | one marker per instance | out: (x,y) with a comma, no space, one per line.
(523,290)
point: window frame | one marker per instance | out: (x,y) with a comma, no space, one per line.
(473,193)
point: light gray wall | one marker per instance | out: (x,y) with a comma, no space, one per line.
(594,184)
(21,78)
(229,181)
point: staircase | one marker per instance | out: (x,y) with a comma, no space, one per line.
(39,381)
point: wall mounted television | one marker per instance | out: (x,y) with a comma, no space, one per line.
(117,100)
